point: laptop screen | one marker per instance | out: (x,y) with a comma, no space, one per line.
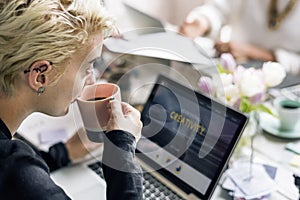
(188,137)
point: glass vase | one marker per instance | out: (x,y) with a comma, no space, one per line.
(244,148)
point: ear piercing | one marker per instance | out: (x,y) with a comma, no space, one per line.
(40,91)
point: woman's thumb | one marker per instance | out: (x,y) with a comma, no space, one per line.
(116,108)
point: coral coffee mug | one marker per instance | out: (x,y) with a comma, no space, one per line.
(94,109)
(288,112)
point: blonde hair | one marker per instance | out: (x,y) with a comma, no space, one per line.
(53,30)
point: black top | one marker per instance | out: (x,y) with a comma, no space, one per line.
(24,174)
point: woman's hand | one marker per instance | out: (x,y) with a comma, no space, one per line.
(244,51)
(193,28)
(125,117)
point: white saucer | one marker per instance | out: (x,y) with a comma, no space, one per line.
(271,125)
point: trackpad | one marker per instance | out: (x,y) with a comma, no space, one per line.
(80,182)
(91,193)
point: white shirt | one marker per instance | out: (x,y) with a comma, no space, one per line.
(248,20)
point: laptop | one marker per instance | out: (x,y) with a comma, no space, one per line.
(292,92)
(289,88)
(187,140)
(141,21)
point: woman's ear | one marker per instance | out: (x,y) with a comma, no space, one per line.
(37,74)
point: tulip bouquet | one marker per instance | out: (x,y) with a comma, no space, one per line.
(240,87)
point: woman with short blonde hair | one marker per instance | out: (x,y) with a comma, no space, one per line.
(60,26)
(47,51)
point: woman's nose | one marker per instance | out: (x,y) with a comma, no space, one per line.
(90,79)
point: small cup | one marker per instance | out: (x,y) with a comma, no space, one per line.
(288,111)
(93,107)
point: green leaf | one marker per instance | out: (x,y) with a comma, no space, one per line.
(263,108)
(246,106)
(220,69)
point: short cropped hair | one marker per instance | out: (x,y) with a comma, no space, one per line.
(53,30)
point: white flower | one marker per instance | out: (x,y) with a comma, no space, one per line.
(274,73)
(240,87)
(228,62)
(237,74)
(206,85)
(251,83)
(222,80)
(225,89)
(231,94)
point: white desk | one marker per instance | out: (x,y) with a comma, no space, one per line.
(270,150)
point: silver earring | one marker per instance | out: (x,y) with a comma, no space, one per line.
(40,91)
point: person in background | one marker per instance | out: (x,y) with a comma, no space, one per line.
(47,51)
(260,30)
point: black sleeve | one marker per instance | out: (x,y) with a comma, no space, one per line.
(25,175)
(56,157)
(122,173)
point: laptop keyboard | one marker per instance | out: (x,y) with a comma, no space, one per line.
(292,92)
(153,189)
(96,167)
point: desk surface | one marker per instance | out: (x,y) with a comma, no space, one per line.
(268,149)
